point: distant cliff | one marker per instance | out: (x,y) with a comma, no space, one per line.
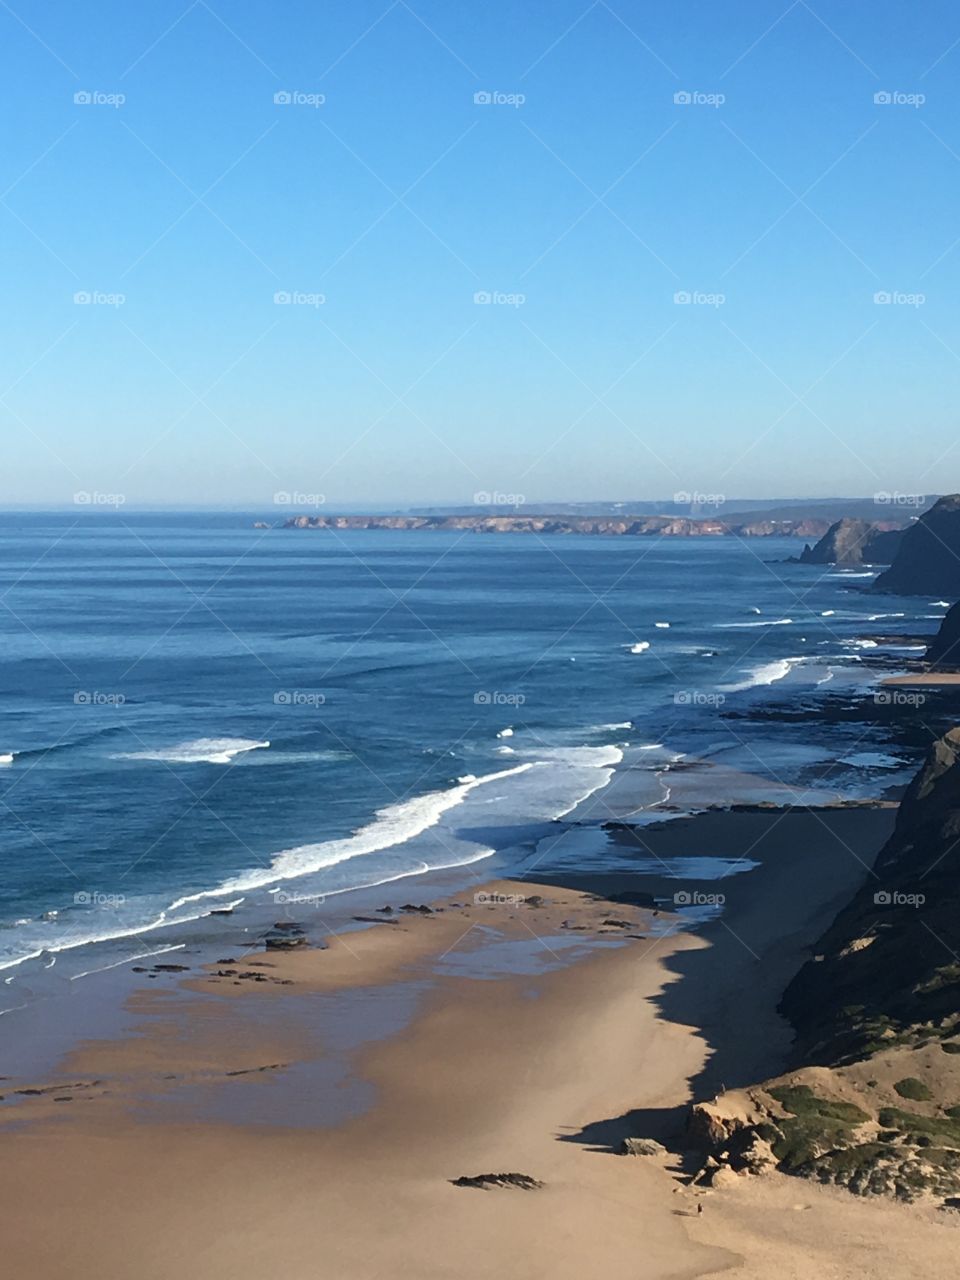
(851,542)
(605,526)
(928,559)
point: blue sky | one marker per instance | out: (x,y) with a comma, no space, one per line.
(183,199)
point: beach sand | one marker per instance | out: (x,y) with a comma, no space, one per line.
(531,1066)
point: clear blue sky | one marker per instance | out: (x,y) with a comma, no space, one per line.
(399,198)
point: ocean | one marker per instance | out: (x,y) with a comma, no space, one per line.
(199,714)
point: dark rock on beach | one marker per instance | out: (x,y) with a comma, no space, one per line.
(284,936)
(485,1181)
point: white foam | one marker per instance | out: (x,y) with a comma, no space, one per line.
(505,733)
(768,673)
(7,757)
(640,647)
(939,604)
(392,826)
(872,760)
(776,622)
(662,625)
(197,751)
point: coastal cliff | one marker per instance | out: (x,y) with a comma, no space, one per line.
(944,649)
(928,559)
(854,542)
(871,1101)
(604,526)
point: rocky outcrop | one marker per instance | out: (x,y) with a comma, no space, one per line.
(602,526)
(487,1181)
(944,649)
(886,966)
(928,559)
(853,542)
(872,1101)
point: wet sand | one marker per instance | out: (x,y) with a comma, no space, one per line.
(513,1050)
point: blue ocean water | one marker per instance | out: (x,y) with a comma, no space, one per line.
(197,711)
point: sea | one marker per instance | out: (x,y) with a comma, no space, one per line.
(200,716)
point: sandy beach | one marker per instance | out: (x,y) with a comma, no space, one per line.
(200,1143)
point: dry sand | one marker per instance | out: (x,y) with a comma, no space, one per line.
(540,1074)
